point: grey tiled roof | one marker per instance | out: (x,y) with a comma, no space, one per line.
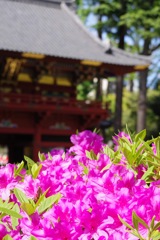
(54,29)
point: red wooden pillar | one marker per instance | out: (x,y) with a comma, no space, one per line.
(36,144)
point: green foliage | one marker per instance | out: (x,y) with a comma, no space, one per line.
(7,237)
(8,208)
(33,238)
(137,152)
(41,156)
(129,108)
(85,169)
(91,155)
(144,17)
(83,89)
(41,203)
(129,112)
(33,168)
(20,196)
(132,150)
(18,170)
(153,228)
(48,202)
(138,18)
(120,21)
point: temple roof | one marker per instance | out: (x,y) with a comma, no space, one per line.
(52,28)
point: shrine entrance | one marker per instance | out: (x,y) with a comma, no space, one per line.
(17,146)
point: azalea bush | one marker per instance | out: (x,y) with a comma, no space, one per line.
(88,192)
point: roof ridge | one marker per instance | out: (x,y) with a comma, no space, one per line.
(54,1)
(79,22)
(68,2)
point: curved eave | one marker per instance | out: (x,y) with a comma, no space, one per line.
(39,55)
(109,69)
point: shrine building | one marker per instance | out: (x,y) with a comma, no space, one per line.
(45,52)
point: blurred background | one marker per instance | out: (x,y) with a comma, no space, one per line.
(75,65)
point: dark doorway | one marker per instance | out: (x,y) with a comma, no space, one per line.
(18,145)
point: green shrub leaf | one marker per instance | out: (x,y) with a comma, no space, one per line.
(41,156)
(7,237)
(33,238)
(35,169)
(140,136)
(20,196)
(91,155)
(48,202)
(18,170)
(10,212)
(14,220)
(28,208)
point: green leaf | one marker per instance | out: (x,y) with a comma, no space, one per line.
(91,155)
(33,238)
(41,198)
(35,169)
(125,223)
(128,155)
(108,151)
(63,155)
(96,130)
(6,226)
(49,156)
(138,154)
(140,220)
(154,157)
(124,140)
(117,157)
(48,202)
(28,208)
(106,167)
(13,219)
(155,235)
(140,136)
(30,162)
(152,223)
(18,170)
(20,196)
(157,143)
(156,226)
(41,156)
(90,210)
(10,212)
(148,173)
(7,237)
(85,169)
(135,221)
(128,131)
(7,204)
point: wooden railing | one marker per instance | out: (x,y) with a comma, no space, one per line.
(35,102)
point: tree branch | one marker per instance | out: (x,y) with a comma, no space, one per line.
(155,48)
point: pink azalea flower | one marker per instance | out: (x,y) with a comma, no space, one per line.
(7,181)
(3,231)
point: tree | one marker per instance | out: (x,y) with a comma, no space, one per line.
(128,19)
(108,14)
(145,21)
